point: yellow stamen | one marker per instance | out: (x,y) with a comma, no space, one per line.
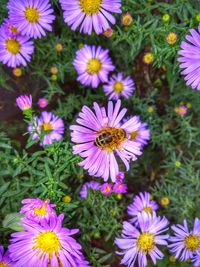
(47,126)
(41,211)
(94,66)
(148,58)
(148,209)
(90,6)
(32,14)
(145,242)
(13,46)
(17,72)
(13,29)
(164,201)
(47,242)
(192,242)
(118,87)
(3,264)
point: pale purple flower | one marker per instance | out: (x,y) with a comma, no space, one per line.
(24,102)
(15,50)
(31,17)
(138,243)
(90,15)
(142,134)
(120,177)
(101,136)
(120,188)
(37,209)
(9,28)
(93,65)
(5,260)
(185,242)
(141,203)
(42,102)
(92,185)
(106,189)
(46,244)
(190,59)
(119,86)
(49,127)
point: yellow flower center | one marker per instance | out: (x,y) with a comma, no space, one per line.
(13,46)
(118,87)
(145,242)
(134,135)
(148,209)
(47,126)
(171,38)
(3,264)
(94,66)
(32,14)
(13,29)
(110,138)
(192,242)
(17,72)
(48,242)
(165,201)
(41,211)
(90,6)
(148,58)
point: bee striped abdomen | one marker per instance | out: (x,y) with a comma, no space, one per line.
(110,138)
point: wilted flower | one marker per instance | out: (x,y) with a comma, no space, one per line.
(189,59)
(181,110)
(46,244)
(141,202)
(90,14)
(137,244)
(37,209)
(126,19)
(119,86)
(42,102)
(108,33)
(92,185)
(5,260)
(24,102)
(31,18)
(15,50)
(185,242)
(101,136)
(93,65)
(48,127)
(120,188)
(171,38)
(106,189)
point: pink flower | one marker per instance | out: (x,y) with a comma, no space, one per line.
(24,102)
(106,189)
(42,102)
(120,188)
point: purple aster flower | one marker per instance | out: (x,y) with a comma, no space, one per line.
(37,210)
(106,189)
(93,65)
(9,29)
(31,17)
(120,188)
(190,60)
(14,50)
(24,102)
(142,134)
(181,110)
(90,14)
(185,242)
(120,177)
(139,243)
(92,185)
(119,86)
(45,244)
(101,137)
(5,260)
(49,126)
(141,203)
(42,102)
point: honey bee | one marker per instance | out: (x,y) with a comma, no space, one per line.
(110,138)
